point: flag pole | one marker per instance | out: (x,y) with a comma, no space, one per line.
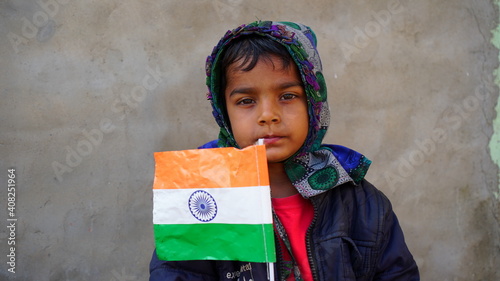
(270,271)
(270,265)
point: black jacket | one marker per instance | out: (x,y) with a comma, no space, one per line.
(355,235)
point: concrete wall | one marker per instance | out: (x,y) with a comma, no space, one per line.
(90,89)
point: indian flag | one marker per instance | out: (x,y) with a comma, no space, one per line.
(213,204)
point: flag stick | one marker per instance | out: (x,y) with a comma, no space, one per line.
(270,271)
(270,265)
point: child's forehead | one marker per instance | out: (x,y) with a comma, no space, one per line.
(265,66)
(242,64)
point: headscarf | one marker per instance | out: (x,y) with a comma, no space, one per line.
(315,168)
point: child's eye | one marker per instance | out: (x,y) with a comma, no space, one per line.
(288,96)
(245,101)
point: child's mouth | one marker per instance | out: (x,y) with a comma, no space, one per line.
(271,139)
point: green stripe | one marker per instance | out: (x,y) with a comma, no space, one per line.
(243,242)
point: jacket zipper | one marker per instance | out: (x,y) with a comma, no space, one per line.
(308,242)
(279,253)
(279,264)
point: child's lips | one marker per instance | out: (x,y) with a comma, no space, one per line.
(271,139)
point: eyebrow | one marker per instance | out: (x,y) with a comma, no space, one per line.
(290,84)
(242,90)
(282,86)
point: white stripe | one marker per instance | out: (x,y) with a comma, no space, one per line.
(240,205)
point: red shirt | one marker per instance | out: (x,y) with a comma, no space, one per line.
(295,214)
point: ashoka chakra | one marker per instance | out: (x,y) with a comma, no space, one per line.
(202,206)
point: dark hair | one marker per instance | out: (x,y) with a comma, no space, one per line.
(251,49)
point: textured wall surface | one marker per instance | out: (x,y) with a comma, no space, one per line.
(90,89)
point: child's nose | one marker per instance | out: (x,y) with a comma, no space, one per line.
(269,113)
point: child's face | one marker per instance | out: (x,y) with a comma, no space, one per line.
(267,102)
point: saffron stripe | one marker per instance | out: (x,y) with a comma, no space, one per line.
(196,169)
(251,243)
(244,205)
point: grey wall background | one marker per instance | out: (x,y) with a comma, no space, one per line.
(90,89)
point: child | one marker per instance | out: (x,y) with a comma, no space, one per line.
(265,81)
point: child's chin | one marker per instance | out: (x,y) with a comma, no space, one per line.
(273,158)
